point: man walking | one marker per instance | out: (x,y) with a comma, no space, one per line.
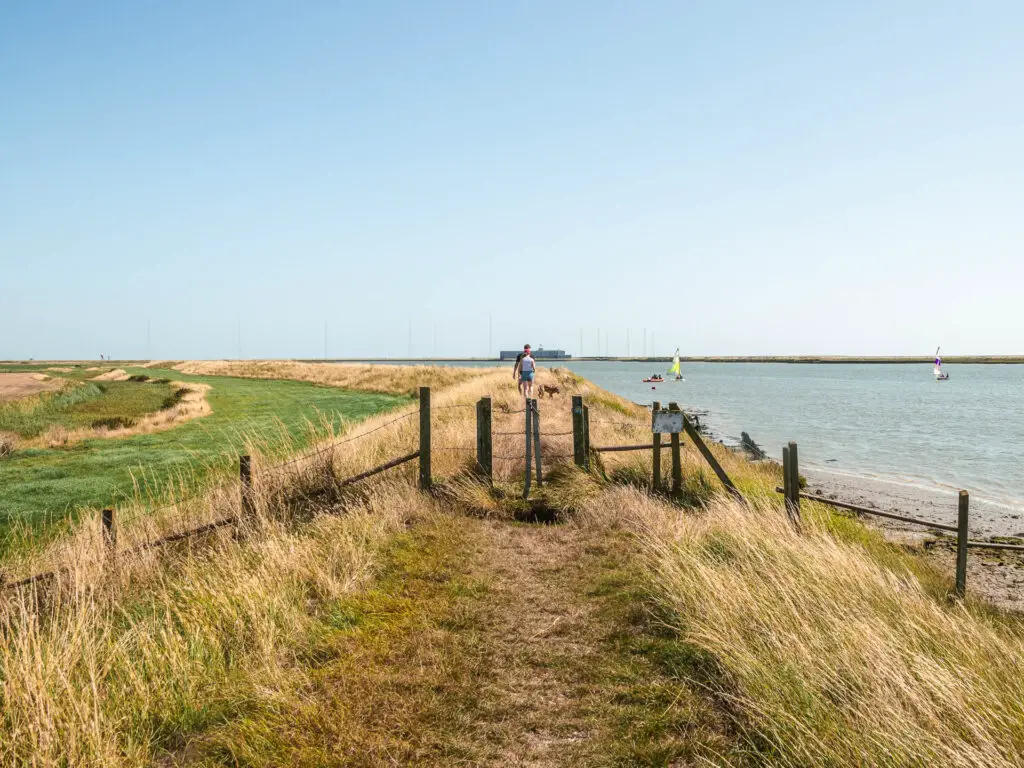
(516,367)
(527,369)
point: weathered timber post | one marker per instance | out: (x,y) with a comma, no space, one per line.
(529,446)
(579,453)
(961,544)
(709,457)
(677,459)
(484,444)
(536,443)
(245,477)
(425,475)
(656,458)
(786,492)
(794,484)
(109,532)
(586,437)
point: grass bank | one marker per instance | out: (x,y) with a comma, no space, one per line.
(46,486)
(384,625)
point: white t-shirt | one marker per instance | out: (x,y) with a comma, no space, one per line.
(526,365)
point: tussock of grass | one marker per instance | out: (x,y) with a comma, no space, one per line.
(828,647)
(389,379)
(830,657)
(115,666)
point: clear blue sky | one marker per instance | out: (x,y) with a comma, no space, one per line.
(738,178)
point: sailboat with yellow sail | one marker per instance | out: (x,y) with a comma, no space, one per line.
(675,367)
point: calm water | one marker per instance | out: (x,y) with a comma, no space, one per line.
(887,421)
(892,422)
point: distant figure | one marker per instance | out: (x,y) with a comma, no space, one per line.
(527,369)
(515,368)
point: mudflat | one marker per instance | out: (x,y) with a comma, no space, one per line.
(18,385)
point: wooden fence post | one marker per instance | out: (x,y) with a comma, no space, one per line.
(709,457)
(484,443)
(529,446)
(586,437)
(578,448)
(677,459)
(536,443)
(245,476)
(961,544)
(425,476)
(794,483)
(656,458)
(109,532)
(786,492)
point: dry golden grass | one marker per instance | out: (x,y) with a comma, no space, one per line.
(117,374)
(829,647)
(388,379)
(828,655)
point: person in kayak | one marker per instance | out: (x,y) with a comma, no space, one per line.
(527,370)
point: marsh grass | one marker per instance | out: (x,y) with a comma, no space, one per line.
(832,650)
(828,647)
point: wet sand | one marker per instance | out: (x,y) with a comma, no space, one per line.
(996,575)
(987,518)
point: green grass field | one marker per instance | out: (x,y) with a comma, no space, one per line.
(86,404)
(44,486)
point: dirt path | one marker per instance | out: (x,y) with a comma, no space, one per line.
(578,673)
(485,643)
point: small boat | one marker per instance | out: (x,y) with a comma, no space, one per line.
(654,379)
(675,366)
(937,371)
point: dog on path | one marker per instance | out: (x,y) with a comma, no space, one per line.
(549,389)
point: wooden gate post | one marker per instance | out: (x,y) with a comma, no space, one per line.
(586,437)
(677,460)
(484,444)
(656,458)
(786,492)
(529,446)
(109,532)
(578,449)
(961,544)
(425,476)
(536,442)
(245,477)
(794,483)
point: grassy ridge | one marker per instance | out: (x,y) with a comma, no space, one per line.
(38,485)
(828,647)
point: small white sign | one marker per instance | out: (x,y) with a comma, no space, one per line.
(667,422)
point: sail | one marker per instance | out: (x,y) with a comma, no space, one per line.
(675,364)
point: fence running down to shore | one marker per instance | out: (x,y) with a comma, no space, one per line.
(671,421)
(792,494)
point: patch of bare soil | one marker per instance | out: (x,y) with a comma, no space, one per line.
(14,386)
(115,375)
(569,685)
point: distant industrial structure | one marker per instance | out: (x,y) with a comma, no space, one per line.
(540,353)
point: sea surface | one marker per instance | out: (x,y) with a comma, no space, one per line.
(888,422)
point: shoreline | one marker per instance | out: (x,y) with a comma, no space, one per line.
(987,518)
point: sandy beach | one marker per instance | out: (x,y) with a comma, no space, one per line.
(998,575)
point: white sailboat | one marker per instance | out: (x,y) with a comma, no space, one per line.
(675,366)
(937,371)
